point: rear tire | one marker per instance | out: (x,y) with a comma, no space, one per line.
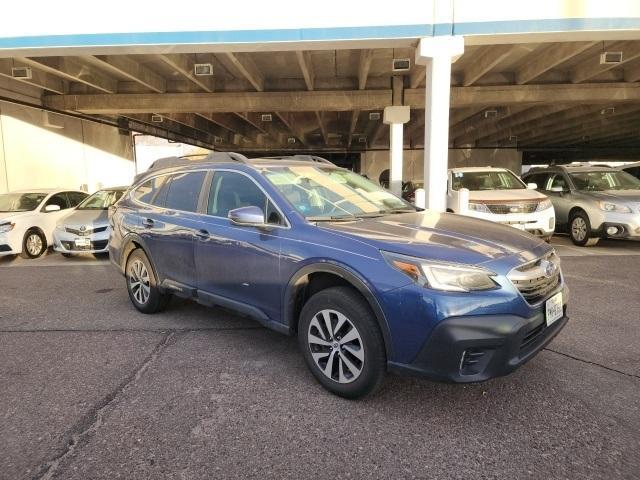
(34,244)
(341,342)
(142,284)
(580,230)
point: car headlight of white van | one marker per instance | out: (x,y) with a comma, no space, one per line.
(479,207)
(544,205)
(614,207)
(6,227)
(450,277)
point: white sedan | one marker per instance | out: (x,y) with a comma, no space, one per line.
(28,218)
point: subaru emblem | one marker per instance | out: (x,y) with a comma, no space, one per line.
(83,228)
(549,268)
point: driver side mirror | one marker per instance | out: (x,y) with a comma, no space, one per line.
(248,217)
(52,208)
(532,186)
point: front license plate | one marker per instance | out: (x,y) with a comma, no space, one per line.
(82,242)
(553,308)
(519,226)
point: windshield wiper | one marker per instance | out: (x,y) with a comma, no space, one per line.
(333,219)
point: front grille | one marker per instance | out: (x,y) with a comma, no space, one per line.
(506,208)
(99,245)
(535,280)
(88,231)
(531,337)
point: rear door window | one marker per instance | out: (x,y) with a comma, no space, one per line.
(152,192)
(183,192)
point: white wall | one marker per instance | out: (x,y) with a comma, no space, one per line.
(374,162)
(149,149)
(73,154)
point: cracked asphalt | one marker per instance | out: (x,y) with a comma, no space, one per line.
(91,389)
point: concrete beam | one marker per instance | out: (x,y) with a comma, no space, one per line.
(549,58)
(38,79)
(417,76)
(363,68)
(488,96)
(323,126)
(484,62)
(71,69)
(352,126)
(471,125)
(338,101)
(632,74)
(246,66)
(135,71)
(183,64)
(592,67)
(306,66)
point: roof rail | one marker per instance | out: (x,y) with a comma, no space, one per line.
(204,158)
(302,158)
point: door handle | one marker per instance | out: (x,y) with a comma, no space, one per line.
(147,222)
(202,234)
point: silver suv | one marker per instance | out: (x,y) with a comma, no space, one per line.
(591,202)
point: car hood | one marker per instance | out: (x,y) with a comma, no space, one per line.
(444,237)
(619,195)
(490,196)
(8,216)
(87,218)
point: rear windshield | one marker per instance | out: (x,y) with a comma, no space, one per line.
(487,180)
(597,181)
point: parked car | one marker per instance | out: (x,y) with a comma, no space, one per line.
(631,169)
(366,281)
(591,202)
(28,218)
(498,195)
(86,229)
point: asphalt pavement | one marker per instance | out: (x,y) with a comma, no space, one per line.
(92,389)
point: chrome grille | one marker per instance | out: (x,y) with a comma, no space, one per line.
(88,231)
(535,280)
(506,208)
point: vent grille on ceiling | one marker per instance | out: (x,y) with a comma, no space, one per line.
(291,140)
(374,116)
(401,64)
(21,72)
(610,58)
(203,69)
(266,117)
(157,118)
(490,113)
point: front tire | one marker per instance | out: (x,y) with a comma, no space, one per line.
(341,342)
(580,230)
(142,284)
(34,244)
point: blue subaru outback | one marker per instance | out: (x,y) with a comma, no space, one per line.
(366,281)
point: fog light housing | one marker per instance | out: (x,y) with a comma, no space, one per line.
(612,230)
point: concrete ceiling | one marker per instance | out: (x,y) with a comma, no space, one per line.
(524,95)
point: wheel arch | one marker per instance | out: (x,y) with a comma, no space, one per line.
(130,244)
(40,231)
(325,275)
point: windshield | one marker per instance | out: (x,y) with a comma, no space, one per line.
(598,181)
(20,202)
(487,180)
(326,193)
(101,200)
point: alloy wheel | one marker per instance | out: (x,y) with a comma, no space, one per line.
(34,244)
(139,282)
(336,346)
(579,229)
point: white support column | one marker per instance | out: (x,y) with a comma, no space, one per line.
(396,117)
(437,54)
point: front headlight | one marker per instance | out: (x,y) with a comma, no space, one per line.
(479,207)
(7,227)
(543,205)
(448,277)
(614,207)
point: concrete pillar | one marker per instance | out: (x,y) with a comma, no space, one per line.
(396,117)
(437,54)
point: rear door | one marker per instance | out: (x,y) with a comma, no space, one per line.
(181,223)
(240,263)
(562,201)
